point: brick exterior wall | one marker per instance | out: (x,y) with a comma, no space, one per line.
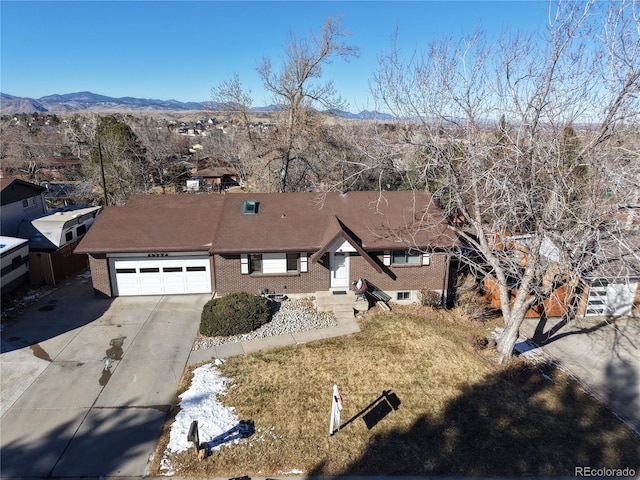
(100,274)
(418,277)
(228,279)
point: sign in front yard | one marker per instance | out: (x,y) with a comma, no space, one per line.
(336,407)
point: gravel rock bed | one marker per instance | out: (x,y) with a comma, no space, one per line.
(293,315)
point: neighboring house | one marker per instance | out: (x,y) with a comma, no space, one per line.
(52,239)
(213,178)
(611,289)
(14,257)
(291,243)
(19,200)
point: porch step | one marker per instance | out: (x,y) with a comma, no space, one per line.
(343,312)
(327,300)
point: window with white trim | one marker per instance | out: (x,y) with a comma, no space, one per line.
(273,263)
(403,295)
(405,257)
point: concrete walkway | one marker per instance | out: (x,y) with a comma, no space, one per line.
(345,326)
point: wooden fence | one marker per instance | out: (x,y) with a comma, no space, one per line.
(51,268)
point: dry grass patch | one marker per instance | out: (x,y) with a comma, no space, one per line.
(457,414)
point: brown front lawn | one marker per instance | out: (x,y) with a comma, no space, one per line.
(458,412)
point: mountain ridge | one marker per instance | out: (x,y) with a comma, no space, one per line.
(82,101)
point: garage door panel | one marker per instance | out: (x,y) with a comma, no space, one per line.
(178,275)
(611,298)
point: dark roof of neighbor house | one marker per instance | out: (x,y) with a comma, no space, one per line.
(215,172)
(156,223)
(284,222)
(15,190)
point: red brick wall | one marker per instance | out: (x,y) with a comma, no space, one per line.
(100,274)
(430,277)
(228,279)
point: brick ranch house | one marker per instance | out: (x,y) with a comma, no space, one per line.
(291,243)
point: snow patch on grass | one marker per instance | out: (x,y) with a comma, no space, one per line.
(200,402)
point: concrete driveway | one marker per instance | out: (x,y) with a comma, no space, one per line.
(604,354)
(63,413)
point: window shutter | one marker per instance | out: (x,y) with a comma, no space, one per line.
(387,257)
(244,264)
(426,258)
(304,263)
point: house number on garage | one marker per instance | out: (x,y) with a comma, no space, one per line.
(158,255)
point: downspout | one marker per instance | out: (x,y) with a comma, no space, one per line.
(212,264)
(445,289)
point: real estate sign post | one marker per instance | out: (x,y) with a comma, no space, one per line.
(336,407)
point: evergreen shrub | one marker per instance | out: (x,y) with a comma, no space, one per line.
(234,314)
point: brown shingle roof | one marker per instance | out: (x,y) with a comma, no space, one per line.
(284,222)
(299,221)
(155,223)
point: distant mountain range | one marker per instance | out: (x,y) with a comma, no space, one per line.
(73,102)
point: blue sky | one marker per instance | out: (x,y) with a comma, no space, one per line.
(179,50)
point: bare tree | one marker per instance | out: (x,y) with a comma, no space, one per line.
(29,141)
(157,139)
(297,88)
(528,143)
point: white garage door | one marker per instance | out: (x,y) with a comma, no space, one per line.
(615,298)
(153,276)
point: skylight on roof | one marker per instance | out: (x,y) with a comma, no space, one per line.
(250,207)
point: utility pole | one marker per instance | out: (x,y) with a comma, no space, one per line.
(104,181)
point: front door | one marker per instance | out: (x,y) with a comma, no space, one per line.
(339,270)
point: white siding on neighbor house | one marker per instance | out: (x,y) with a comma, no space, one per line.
(14,213)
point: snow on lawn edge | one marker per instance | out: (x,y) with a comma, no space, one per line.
(200,402)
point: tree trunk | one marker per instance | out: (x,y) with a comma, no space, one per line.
(284,173)
(513,321)
(508,339)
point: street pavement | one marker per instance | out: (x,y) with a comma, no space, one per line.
(87,381)
(603,354)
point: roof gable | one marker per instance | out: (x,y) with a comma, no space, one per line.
(336,231)
(16,190)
